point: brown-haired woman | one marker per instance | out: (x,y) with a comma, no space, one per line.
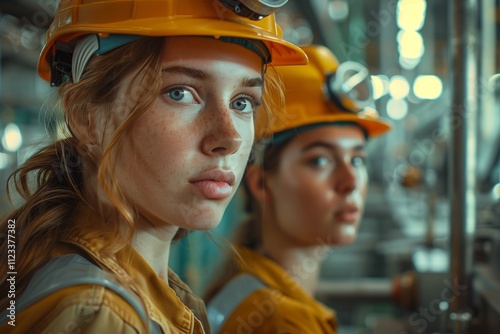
(158,97)
(306,192)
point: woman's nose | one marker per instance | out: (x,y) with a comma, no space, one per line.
(221,137)
(346,179)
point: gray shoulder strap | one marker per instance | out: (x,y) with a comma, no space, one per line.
(228,298)
(71,270)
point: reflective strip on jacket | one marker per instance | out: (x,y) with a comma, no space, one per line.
(278,306)
(97,309)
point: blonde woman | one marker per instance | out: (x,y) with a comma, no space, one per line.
(159,98)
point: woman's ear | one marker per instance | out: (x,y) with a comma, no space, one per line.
(255,179)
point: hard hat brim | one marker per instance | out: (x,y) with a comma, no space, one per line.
(282,52)
(373,126)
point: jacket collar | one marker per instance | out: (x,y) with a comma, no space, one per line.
(167,304)
(273,275)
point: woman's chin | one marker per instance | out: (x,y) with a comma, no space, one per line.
(206,226)
(345,235)
(208,222)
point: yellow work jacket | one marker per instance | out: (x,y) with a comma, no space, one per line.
(280,306)
(96,309)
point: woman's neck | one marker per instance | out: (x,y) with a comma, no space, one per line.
(301,263)
(154,246)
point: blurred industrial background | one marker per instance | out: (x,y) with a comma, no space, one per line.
(427,259)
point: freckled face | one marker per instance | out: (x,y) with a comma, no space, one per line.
(185,156)
(319,189)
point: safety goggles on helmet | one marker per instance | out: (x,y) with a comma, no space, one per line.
(75,19)
(254,9)
(349,87)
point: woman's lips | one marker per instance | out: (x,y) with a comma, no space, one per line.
(214,184)
(348,214)
(213,189)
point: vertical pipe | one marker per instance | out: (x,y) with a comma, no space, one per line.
(462,168)
(487,68)
(309,12)
(1,57)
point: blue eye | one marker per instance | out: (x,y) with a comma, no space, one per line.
(321,162)
(359,161)
(181,95)
(244,105)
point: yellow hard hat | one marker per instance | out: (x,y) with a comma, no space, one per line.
(218,18)
(323,92)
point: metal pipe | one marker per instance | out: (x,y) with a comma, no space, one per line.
(462,168)
(359,288)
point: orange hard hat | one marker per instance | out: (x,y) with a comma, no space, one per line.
(216,18)
(323,91)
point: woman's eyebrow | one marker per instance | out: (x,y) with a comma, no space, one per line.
(323,144)
(202,75)
(253,82)
(331,146)
(191,72)
(360,147)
